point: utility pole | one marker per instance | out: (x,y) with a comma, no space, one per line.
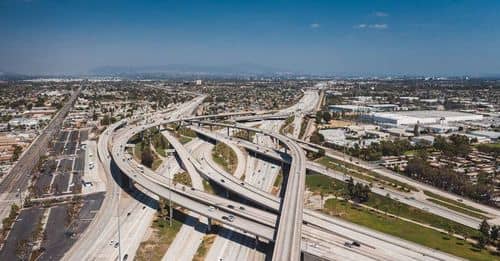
(170,195)
(119,236)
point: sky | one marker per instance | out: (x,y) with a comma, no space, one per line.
(435,37)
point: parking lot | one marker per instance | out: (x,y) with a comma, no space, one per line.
(65,218)
(68,157)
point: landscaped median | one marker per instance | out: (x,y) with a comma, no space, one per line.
(155,247)
(145,151)
(287,126)
(395,218)
(225,157)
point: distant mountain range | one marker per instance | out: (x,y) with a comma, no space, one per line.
(243,68)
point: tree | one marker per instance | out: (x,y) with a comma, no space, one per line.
(482,241)
(416,131)
(147,157)
(319,117)
(494,233)
(350,186)
(484,228)
(317,137)
(16,153)
(326,116)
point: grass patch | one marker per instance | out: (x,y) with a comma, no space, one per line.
(303,126)
(139,146)
(201,252)
(321,184)
(9,221)
(362,173)
(207,187)
(156,163)
(287,126)
(183,178)
(277,183)
(403,210)
(279,179)
(406,230)
(160,144)
(163,234)
(452,202)
(184,139)
(225,157)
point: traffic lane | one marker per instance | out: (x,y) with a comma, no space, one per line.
(197,207)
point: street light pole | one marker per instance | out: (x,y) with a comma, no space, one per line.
(119,236)
(170,195)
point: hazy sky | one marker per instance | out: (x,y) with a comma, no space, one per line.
(414,37)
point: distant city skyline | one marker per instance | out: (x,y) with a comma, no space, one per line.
(449,37)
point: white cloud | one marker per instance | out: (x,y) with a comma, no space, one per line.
(381,14)
(315,25)
(378,26)
(372,26)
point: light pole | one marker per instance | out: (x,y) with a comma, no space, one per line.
(169,195)
(119,236)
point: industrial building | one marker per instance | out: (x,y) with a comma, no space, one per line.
(422,117)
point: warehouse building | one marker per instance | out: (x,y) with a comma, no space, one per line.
(422,117)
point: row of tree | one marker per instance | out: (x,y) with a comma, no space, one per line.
(455,145)
(447,179)
(489,235)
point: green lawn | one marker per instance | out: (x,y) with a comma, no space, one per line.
(183,178)
(207,187)
(319,183)
(328,186)
(184,139)
(279,179)
(403,210)
(224,156)
(406,230)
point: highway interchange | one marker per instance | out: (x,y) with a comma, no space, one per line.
(270,218)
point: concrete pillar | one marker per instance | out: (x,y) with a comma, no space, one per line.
(209,224)
(228,131)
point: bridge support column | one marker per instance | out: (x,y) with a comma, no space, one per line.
(209,224)
(228,131)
